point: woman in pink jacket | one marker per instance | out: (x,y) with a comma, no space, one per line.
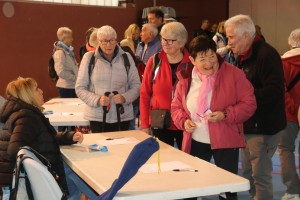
(211,106)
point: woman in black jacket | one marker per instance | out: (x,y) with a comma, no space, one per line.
(25,125)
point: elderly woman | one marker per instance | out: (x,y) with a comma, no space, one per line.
(131,37)
(211,107)
(157,92)
(108,84)
(25,125)
(65,63)
(286,146)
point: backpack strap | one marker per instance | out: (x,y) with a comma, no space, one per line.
(155,67)
(126,62)
(91,65)
(293,82)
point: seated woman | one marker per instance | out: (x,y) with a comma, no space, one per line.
(25,125)
(211,107)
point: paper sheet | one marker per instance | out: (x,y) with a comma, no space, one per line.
(164,166)
(117,141)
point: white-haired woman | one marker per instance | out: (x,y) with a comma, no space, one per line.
(65,63)
(286,146)
(109,83)
(157,92)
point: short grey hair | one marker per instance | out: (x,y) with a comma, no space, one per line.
(178,30)
(241,24)
(294,38)
(106,31)
(62,31)
(152,28)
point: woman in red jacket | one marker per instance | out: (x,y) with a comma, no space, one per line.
(211,107)
(157,89)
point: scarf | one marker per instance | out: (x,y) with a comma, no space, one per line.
(205,89)
(66,48)
(89,48)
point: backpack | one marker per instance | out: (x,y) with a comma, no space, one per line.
(51,70)
(33,177)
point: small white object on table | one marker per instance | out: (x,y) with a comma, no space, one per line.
(99,170)
(65,112)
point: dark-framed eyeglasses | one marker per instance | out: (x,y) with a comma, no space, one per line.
(168,41)
(111,41)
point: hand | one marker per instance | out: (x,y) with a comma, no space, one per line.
(215,116)
(189,126)
(118,99)
(104,100)
(78,137)
(228,47)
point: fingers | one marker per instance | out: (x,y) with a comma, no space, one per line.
(78,137)
(215,116)
(104,100)
(189,126)
(118,99)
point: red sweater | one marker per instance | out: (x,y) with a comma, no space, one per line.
(162,87)
(232,93)
(291,66)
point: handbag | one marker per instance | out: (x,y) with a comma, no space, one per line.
(160,119)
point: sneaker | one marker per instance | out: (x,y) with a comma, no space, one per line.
(287,196)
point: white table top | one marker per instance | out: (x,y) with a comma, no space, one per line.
(66,112)
(100,169)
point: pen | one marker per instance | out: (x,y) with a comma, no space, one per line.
(185,170)
(113,138)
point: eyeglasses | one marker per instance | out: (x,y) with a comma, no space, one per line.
(168,41)
(105,42)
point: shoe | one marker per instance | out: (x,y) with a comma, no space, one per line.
(287,196)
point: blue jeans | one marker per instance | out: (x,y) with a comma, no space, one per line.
(76,185)
(135,112)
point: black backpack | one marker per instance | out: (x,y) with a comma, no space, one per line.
(51,70)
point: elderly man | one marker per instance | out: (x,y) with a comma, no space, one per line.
(109,85)
(150,43)
(156,17)
(286,146)
(263,68)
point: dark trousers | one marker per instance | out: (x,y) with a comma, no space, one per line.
(66,93)
(96,127)
(226,159)
(169,136)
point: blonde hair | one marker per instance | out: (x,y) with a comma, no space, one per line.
(221,26)
(23,88)
(130,31)
(62,31)
(178,30)
(93,39)
(294,38)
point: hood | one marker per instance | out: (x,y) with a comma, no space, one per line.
(13,105)
(292,57)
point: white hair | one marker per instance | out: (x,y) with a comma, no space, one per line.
(93,39)
(177,29)
(294,38)
(62,31)
(106,31)
(241,24)
(152,28)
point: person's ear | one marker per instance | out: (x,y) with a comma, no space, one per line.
(192,60)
